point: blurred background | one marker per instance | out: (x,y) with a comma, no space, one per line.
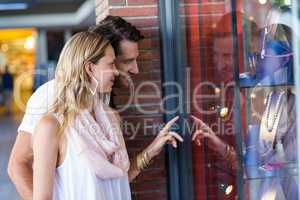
(32,33)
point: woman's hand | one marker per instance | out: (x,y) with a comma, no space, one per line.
(204,131)
(214,142)
(165,136)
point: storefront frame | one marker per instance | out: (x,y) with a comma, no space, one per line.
(178,161)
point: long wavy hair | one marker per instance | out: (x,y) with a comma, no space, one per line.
(72,83)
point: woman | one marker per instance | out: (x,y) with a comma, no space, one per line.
(79,150)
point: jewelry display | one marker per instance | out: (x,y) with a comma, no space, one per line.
(269,130)
(270,145)
(273,65)
(271,117)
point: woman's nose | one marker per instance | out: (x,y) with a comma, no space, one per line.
(116,71)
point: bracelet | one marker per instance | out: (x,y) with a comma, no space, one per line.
(227,152)
(142,161)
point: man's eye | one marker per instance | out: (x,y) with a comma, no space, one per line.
(127,61)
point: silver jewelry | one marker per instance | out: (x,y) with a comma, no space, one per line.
(270,121)
(269,125)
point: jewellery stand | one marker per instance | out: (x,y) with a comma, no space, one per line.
(269,157)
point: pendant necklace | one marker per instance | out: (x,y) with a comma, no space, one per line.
(272,115)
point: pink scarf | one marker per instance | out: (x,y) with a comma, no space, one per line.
(100,142)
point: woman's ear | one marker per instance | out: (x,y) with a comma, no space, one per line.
(88,68)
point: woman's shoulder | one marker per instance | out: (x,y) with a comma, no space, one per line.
(50,120)
(48,124)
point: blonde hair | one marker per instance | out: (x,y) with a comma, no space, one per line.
(72,92)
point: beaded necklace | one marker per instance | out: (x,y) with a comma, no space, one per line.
(270,121)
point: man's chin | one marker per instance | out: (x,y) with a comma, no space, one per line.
(121,83)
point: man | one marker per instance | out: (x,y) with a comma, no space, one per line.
(124,38)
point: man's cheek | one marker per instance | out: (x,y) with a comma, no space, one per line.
(121,82)
(122,67)
(125,81)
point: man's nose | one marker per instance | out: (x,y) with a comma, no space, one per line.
(134,69)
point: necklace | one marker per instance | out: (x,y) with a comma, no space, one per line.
(270,120)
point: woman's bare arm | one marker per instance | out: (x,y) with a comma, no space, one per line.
(45,153)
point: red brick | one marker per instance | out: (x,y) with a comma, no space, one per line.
(117,2)
(191,1)
(153,174)
(142,110)
(148,185)
(149,43)
(151,195)
(205,9)
(150,32)
(147,22)
(147,76)
(147,133)
(146,66)
(147,89)
(134,11)
(123,100)
(142,2)
(153,54)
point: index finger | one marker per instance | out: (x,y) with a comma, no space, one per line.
(170,123)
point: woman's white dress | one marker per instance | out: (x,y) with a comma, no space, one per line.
(75,181)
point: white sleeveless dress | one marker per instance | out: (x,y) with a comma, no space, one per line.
(75,181)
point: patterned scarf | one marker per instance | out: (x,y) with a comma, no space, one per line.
(100,142)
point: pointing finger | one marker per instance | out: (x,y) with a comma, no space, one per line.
(170,123)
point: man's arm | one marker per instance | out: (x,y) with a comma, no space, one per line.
(20,165)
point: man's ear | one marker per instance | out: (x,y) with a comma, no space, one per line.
(88,68)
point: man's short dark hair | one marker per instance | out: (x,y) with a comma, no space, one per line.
(115,29)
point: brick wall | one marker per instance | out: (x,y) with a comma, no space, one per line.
(144,15)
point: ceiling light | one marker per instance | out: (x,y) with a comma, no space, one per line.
(29,43)
(226,188)
(262,2)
